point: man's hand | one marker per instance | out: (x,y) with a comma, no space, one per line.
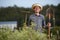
(49,24)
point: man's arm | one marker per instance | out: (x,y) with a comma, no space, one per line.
(29,21)
(43,22)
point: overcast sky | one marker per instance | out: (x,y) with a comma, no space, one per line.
(27,3)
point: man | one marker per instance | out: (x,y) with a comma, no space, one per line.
(37,18)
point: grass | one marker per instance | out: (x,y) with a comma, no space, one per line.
(27,33)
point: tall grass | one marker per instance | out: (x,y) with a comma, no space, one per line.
(27,33)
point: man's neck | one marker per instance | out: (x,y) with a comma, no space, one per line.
(37,14)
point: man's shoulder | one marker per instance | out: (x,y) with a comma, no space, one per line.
(31,15)
(41,15)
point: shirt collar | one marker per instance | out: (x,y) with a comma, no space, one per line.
(37,15)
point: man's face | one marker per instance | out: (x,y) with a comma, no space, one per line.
(37,9)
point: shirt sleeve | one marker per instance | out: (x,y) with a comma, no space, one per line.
(43,22)
(29,21)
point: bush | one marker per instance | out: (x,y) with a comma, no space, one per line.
(27,33)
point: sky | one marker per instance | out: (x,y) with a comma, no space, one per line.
(27,3)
